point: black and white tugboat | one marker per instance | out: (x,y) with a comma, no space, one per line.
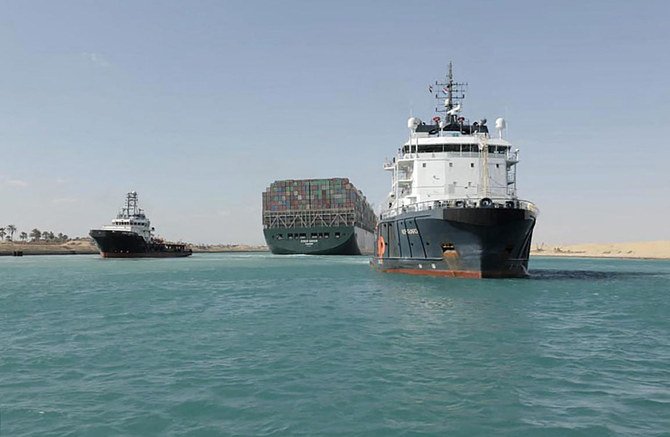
(453,209)
(131,236)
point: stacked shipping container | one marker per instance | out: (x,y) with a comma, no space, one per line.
(327,195)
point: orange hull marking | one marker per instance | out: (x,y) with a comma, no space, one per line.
(381,246)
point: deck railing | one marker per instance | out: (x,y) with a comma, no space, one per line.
(501,202)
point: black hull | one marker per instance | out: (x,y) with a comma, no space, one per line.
(456,242)
(342,240)
(122,244)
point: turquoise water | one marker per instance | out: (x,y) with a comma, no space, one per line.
(236,344)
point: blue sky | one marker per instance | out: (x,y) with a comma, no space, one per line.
(200,105)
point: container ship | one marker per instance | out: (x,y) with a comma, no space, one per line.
(317,217)
(131,236)
(453,208)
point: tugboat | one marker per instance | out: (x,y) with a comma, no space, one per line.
(131,236)
(453,209)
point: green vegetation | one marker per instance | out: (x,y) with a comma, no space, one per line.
(36,236)
(10,230)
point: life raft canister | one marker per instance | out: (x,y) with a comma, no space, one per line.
(381,246)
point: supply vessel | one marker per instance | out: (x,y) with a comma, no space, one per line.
(453,208)
(317,217)
(131,236)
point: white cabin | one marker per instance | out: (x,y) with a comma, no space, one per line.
(452,167)
(132,219)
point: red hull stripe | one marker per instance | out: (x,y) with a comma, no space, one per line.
(448,273)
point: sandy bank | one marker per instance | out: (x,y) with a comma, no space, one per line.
(74,247)
(642,249)
(87,247)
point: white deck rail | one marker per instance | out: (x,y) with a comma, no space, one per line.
(461,203)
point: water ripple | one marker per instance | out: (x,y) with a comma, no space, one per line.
(261,345)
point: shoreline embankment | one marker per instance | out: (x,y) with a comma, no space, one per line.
(658,250)
(86,247)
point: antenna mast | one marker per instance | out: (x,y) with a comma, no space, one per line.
(131,209)
(451,93)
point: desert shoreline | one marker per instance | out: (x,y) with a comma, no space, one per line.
(646,250)
(535,255)
(656,250)
(86,247)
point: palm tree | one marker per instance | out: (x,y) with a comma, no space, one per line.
(10,230)
(35,234)
(23,236)
(2,233)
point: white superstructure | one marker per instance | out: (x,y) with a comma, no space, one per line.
(452,161)
(452,167)
(131,219)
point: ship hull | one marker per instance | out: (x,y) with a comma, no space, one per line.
(320,240)
(456,242)
(123,244)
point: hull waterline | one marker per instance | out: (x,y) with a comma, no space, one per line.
(320,240)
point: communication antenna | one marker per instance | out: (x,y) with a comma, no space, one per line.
(451,93)
(130,209)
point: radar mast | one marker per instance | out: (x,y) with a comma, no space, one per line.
(452,94)
(131,208)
